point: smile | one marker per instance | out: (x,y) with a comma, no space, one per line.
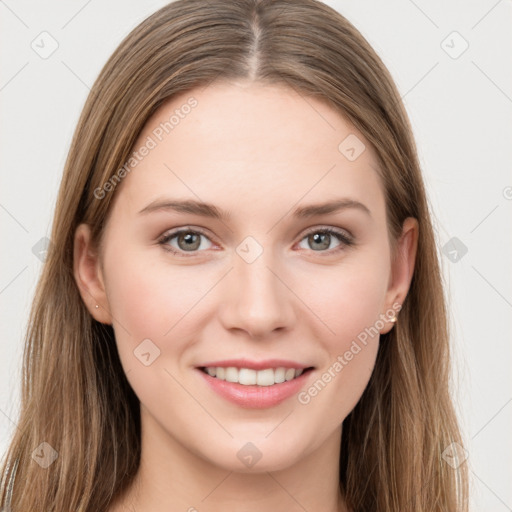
(253,388)
(250,377)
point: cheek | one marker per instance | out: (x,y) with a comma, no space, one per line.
(150,299)
(348,301)
(350,306)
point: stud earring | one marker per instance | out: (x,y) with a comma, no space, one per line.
(96,306)
(393,320)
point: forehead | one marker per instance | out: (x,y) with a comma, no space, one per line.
(250,146)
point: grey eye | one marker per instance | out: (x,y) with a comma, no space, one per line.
(320,240)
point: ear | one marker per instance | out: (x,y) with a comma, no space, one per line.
(88,275)
(402,268)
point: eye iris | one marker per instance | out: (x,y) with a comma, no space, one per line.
(189,238)
(316,236)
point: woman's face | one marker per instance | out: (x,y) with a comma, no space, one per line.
(254,282)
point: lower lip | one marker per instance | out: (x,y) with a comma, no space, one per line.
(255,397)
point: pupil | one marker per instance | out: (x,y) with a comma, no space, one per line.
(318,236)
(189,239)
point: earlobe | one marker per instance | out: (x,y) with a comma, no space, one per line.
(88,275)
(402,268)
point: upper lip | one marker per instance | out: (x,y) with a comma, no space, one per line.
(256,365)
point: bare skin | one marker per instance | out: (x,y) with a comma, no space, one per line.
(257,152)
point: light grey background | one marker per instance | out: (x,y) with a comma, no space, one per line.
(460,108)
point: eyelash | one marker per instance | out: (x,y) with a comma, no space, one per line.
(345,239)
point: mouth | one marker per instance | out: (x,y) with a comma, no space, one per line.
(252,388)
(251,377)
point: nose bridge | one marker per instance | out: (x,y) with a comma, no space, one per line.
(255,279)
(259,302)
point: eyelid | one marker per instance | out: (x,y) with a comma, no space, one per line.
(331,229)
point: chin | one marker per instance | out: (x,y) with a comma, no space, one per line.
(253,454)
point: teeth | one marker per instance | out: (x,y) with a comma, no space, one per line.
(265,377)
(231,374)
(290,374)
(279,375)
(249,377)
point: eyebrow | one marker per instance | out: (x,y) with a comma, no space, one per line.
(209,210)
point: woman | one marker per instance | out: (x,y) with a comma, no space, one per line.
(242,305)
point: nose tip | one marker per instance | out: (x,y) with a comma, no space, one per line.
(257,301)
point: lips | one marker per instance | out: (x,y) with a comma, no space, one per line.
(255,384)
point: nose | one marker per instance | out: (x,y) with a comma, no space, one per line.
(257,299)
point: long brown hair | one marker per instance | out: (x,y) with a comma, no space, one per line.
(75,396)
